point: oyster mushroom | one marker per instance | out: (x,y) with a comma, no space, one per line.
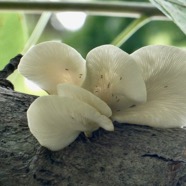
(56,121)
(164,71)
(50,63)
(114,76)
(73,91)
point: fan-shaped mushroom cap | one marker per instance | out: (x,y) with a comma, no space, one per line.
(56,121)
(164,71)
(114,76)
(73,91)
(50,63)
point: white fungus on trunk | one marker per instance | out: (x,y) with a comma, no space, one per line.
(73,91)
(164,71)
(50,63)
(147,87)
(56,121)
(114,76)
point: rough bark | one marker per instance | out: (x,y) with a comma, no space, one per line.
(131,155)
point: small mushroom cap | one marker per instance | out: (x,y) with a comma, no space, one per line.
(50,63)
(164,71)
(114,76)
(56,121)
(73,91)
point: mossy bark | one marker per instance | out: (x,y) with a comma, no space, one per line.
(131,155)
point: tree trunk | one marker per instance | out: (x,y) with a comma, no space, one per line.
(131,155)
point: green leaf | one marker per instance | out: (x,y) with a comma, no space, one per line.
(175,10)
(13,35)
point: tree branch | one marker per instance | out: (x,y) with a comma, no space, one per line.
(123,9)
(131,155)
(7,70)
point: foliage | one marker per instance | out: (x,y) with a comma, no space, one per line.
(13,35)
(175,10)
(97,30)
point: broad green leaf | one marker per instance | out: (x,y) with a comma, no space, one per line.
(13,35)
(175,10)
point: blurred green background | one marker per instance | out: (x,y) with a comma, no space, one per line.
(15,29)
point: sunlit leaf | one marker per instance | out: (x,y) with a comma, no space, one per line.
(175,10)
(13,35)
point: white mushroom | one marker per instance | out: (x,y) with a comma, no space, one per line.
(114,76)
(50,63)
(56,121)
(164,71)
(73,91)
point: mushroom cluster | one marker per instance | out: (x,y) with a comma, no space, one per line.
(147,87)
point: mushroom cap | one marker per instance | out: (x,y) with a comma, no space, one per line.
(114,76)
(76,92)
(50,63)
(56,121)
(164,72)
